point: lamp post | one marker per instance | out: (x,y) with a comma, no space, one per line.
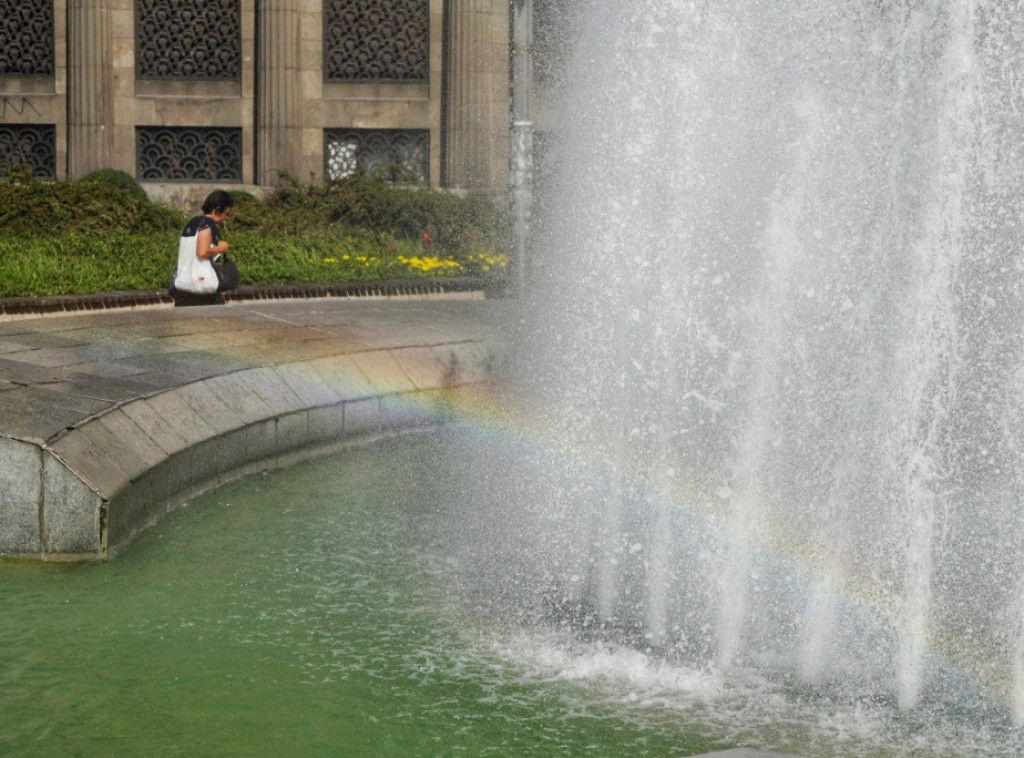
(521,158)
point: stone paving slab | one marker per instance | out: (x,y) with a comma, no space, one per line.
(110,418)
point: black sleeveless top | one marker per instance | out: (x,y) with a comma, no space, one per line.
(200,222)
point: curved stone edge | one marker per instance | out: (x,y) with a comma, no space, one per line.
(30,476)
(89,490)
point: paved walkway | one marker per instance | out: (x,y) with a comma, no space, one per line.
(109,419)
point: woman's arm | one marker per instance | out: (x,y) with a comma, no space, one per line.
(203,248)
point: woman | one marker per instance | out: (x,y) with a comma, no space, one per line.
(207,246)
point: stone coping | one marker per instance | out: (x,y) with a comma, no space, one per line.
(109,420)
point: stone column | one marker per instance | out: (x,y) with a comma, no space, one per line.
(279,97)
(90,87)
(477,71)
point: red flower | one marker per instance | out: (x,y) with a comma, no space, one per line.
(426,240)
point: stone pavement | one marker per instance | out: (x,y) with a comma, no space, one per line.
(110,419)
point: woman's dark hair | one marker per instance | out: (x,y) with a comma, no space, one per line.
(218,201)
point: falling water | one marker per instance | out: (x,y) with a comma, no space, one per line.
(778,303)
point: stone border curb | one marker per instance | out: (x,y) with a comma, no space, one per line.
(62,304)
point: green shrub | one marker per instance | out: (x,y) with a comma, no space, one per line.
(110,177)
(362,203)
(33,206)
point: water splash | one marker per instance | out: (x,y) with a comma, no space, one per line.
(780,282)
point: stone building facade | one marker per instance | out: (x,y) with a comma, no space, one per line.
(186,94)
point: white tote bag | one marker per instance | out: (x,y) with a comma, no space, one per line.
(194,274)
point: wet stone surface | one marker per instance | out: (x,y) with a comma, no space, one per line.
(108,396)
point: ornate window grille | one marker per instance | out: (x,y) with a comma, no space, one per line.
(389,154)
(377,40)
(188,154)
(26,37)
(188,39)
(31,145)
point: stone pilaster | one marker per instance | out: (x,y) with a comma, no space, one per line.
(279,93)
(90,87)
(477,71)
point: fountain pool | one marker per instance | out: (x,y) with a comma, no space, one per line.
(310,611)
(387,601)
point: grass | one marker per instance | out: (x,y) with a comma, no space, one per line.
(33,265)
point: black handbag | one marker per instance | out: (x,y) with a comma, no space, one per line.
(227,274)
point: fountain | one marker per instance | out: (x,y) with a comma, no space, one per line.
(775,335)
(768,493)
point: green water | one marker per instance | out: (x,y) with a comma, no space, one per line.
(303,612)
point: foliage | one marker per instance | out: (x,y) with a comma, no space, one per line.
(81,263)
(326,259)
(100,235)
(361,203)
(114,178)
(93,262)
(29,206)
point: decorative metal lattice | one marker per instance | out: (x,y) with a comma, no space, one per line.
(188,154)
(376,40)
(32,145)
(188,39)
(26,37)
(389,154)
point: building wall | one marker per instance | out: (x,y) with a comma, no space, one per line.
(38,98)
(280,99)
